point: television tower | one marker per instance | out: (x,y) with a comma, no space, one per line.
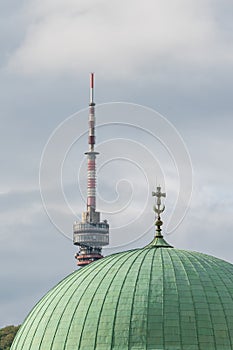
(90,234)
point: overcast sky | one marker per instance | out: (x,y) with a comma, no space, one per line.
(175,57)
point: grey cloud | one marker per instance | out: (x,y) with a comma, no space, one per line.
(192,37)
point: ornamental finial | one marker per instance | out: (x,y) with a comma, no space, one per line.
(158,209)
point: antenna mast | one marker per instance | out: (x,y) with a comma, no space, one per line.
(90,234)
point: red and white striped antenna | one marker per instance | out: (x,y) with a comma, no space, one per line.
(91,234)
(91,154)
(92,75)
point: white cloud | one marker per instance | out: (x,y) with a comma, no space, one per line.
(68,36)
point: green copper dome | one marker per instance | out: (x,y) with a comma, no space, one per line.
(155,298)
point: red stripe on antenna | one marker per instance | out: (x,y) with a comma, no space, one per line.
(92,80)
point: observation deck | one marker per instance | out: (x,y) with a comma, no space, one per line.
(91,234)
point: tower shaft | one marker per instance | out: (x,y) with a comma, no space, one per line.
(91,154)
(90,234)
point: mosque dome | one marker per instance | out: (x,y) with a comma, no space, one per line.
(157,297)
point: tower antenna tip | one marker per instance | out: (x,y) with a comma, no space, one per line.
(92,80)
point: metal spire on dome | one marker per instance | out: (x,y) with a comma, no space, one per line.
(158,208)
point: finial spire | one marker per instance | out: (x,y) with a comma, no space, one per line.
(159,194)
(158,209)
(158,241)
